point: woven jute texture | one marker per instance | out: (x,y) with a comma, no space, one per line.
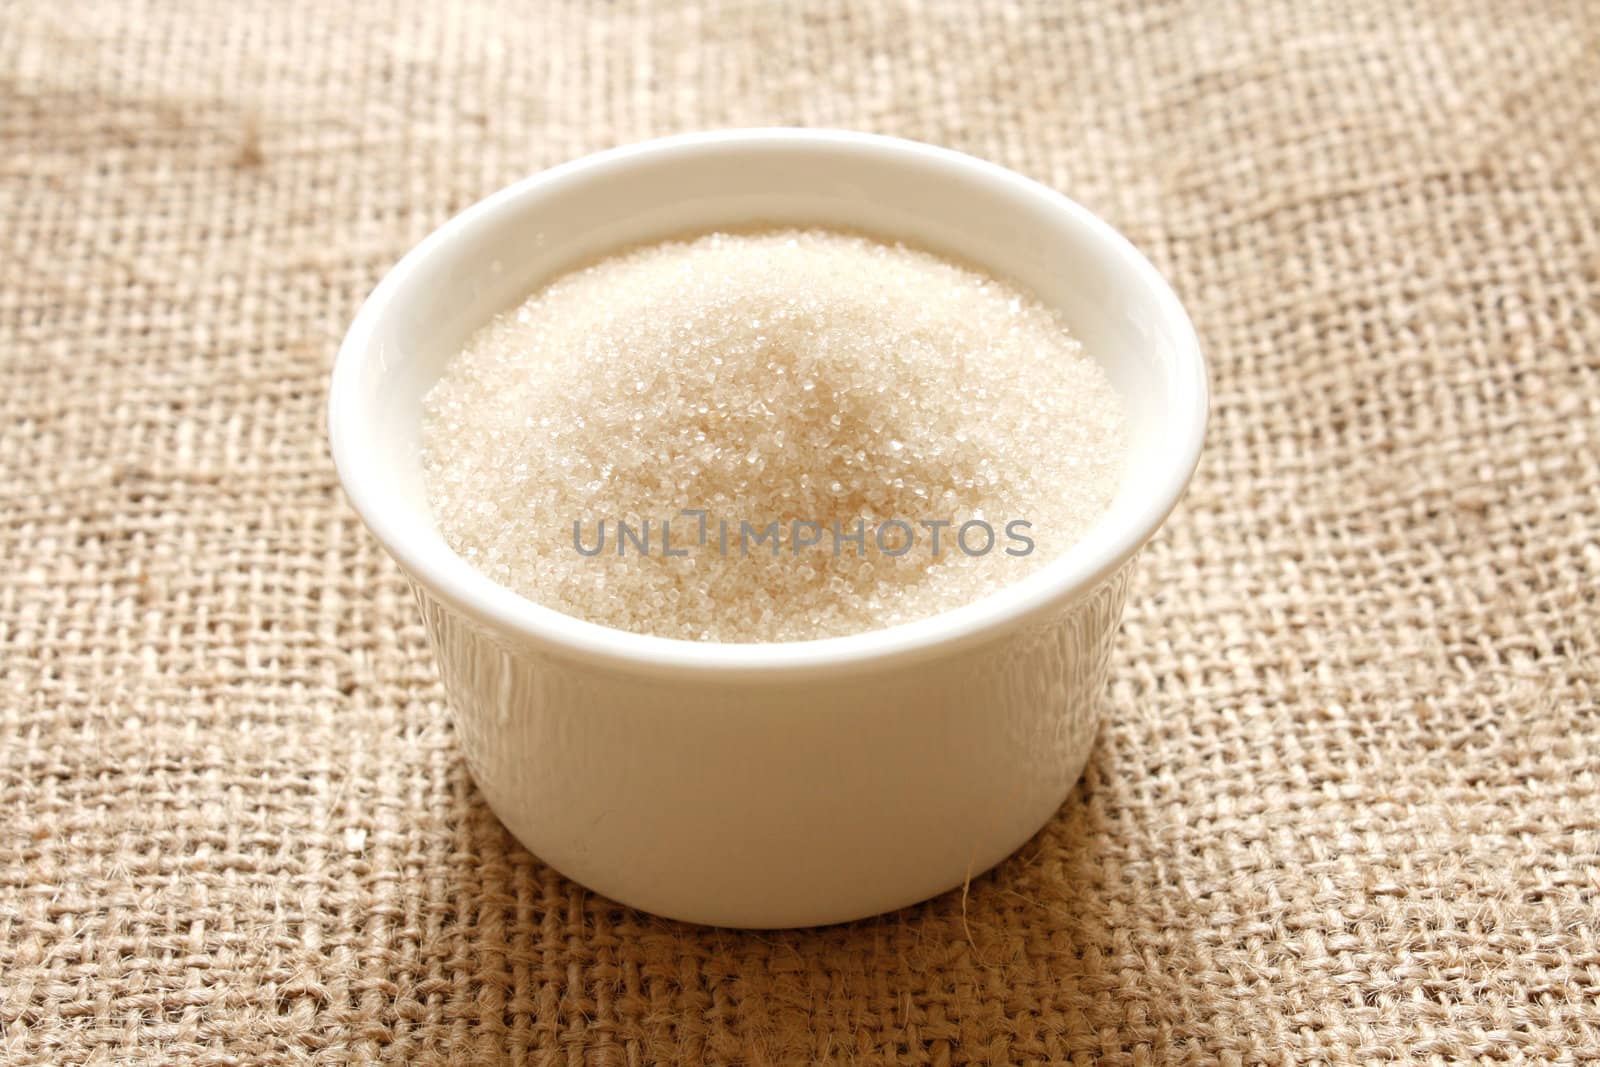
(1346,805)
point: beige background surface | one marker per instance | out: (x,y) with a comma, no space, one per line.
(1347,806)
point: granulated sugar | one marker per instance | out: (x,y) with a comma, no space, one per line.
(823,382)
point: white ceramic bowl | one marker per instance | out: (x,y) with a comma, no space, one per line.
(772,784)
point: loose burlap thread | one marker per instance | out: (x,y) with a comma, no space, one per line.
(1344,808)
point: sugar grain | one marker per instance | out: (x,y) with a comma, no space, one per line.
(824,382)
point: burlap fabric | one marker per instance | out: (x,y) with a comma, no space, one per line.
(1345,807)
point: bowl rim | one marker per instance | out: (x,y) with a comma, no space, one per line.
(449,578)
